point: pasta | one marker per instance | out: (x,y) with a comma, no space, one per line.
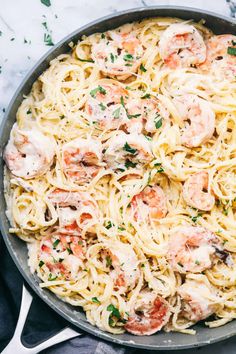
(121,177)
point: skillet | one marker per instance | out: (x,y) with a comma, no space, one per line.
(17,248)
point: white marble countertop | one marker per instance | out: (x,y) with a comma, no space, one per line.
(22,30)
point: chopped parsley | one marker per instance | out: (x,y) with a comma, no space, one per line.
(142,68)
(120,228)
(128,57)
(158,121)
(45,25)
(142,265)
(180,264)
(41,263)
(51,278)
(102,35)
(29,111)
(0,33)
(109,225)
(56,243)
(69,250)
(116,113)
(108,261)
(147,137)
(46,2)
(48,39)
(147,95)
(231,51)
(194,218)
(102,106)
(129,149)
(86,60)
(114,311)
(95,299)
(12,39)
(130,164)
(130,116)
(96,90)
(60,260)
(122,101)
(197,262)
(161,169)
(112,57)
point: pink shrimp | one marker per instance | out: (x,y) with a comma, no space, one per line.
(151,202)
(74,210)
(201,117)
(61,256)
(192,249)
(196,191)
(181,45)
(221,56)
(82,159)
(104,105)
(118,54)
(199,299)
(29,153)
(149,314)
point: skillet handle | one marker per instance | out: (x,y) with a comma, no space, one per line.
(16,345)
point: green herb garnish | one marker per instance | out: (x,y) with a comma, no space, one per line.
(114,311)
(147,95)
(96,90)
(102,106)
(197,262)
(158,121)
(69,250)
(41,263)
(130,164)
(109,225)
(29,111)
(129,149)
(128,57)
(108,261)
(142,68)
(51,278)
(86,60)
(48,39)
(56,243)
(112,57)
(95,299)
(231,51)
(116,113)
(46,2)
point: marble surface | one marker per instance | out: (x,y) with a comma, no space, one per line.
(22,31)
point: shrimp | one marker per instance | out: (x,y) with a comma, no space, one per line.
(81,159)
(181,45)
(192,249)
(29,153)
(75,210)
(201,117)
(154,114)
(61,256)
(151,202)
(146,114)
(104,105)
(199,299)
(149,315)
(125,263)
(196,192)
(221,55)
(118,54)
(128,150)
